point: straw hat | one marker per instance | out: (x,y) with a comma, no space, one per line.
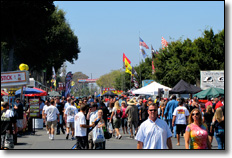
(131,102)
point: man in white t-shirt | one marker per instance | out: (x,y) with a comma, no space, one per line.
(91,116)
(47,104)
(52,113)
(69,114)
(68,103)
(81,128)
(180,118)
(154,133)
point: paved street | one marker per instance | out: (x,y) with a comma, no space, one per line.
(40,141)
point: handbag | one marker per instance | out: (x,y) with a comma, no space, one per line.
(98,135)
(107,134)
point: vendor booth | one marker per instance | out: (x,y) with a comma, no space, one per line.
(151,89)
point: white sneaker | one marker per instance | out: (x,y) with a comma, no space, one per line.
(50,137)
(47,132)
(116,137)
(119,137)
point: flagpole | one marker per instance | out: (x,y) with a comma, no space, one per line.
(139,66)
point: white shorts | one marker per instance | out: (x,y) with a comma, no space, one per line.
(20,123)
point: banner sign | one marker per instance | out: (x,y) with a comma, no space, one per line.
(14,78)
(87,80)
(68,79)
(34,107)
(212,79)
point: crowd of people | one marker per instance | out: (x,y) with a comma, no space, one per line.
(151,122)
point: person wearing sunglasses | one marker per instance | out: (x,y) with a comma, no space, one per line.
(154,133)
(196,133)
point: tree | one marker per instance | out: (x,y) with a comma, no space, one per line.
(184,60)
(23,21)
(108,80)
(36,33)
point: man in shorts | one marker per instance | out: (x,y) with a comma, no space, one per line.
(52,114)
(180,118)
(69,114)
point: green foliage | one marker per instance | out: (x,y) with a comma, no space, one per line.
(109,80)
(36,33)
(184,60)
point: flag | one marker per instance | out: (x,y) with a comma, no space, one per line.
(164,43)
(143,52)
(128,66)
(152,52)
(142,43)
(53,76)
(134,73)
(124,57)
(153,67)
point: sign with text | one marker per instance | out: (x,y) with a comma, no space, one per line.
(14,78)
(212,79)
(87,80)
(34,107)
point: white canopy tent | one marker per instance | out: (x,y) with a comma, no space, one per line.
(151,89)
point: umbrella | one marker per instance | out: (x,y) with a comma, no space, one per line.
(109,93)
(54,94)
(3,93)
(31,92)
(210,93)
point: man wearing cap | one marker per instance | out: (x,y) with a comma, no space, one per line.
(132,112)
(90,100)
(91,116)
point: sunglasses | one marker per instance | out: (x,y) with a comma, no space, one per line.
(196,114)
(153,110)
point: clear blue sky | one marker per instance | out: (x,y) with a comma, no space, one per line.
(107,29)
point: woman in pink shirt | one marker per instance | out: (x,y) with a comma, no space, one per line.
(124,117)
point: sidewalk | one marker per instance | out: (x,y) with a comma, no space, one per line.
(40,141)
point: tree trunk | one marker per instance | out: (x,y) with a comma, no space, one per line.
(198,82)
(11,58)
(2,68)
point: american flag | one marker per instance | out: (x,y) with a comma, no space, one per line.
(142,43)
(164,42)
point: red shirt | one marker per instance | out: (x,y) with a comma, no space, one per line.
(218,104)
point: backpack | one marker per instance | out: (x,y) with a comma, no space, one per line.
(118,114)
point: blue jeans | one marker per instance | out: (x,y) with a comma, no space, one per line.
(172,128)
(220,137)
(169,121)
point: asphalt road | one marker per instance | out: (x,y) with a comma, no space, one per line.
(40,141)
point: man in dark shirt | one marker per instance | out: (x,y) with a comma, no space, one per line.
(7,120)
(19,110)
(60,107)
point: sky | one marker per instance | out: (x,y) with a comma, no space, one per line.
(106,30)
